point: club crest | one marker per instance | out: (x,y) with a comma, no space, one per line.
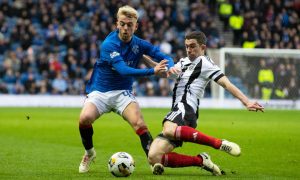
(135,49)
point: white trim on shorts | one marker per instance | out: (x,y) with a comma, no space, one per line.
(106,102)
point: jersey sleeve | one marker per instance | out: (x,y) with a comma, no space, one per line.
(110,52)
(123,69)
(210,70)
(179,64)
(112,55)
(155,53)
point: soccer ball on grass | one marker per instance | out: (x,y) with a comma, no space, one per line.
(121,164)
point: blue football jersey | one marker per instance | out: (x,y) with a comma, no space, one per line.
(118,63)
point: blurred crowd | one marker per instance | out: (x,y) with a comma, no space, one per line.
(50,46)
(269,77)
(262,23)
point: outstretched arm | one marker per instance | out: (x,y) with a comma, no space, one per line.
(148,61)
(251,106)
(123,69)
(126,70)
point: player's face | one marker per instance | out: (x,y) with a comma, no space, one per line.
(127,26)
(193,49)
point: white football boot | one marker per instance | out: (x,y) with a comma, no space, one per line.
(157,169)
(208,165)
(231,148)
(87,159)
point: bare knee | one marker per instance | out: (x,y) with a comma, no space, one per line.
(86,119)
(167,132)
(156,151)
(169,129)
(158,148)
(154,157)
(132,114)
(88,114)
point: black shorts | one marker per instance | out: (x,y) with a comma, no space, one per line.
(182,117)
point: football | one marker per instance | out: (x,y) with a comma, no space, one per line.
(121,164)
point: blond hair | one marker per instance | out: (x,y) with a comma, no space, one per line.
(128,11)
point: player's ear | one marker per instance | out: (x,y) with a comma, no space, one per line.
(203,46)
(136,26)
(117,24)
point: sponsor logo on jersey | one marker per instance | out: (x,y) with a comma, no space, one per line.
(114,54)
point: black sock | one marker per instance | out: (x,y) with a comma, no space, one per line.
(86,133)
(146,140)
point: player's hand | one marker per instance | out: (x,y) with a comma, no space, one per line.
(255,106)
(161,68)
(173,72)
(162,73)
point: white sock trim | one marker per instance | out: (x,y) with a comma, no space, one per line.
(90,151)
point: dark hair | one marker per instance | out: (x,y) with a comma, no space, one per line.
(198,35)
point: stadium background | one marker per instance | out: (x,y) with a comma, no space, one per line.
(49,47)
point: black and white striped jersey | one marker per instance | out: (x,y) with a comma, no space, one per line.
(191,82)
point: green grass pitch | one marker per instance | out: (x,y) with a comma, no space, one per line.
(44,143)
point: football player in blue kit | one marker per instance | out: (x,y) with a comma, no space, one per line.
(110,85)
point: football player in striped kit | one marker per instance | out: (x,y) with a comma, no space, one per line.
(192,75)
